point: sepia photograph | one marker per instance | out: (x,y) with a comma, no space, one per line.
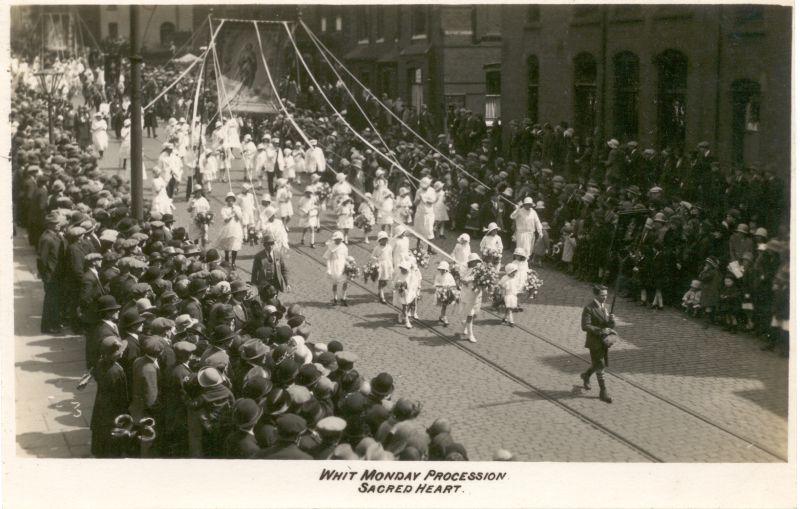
(501,233)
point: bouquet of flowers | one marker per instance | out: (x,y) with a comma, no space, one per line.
(324,193)
(204,218)
(422,257)
(400,287)
(492,256)
(485,278)
(350,268)
(498,300)
(370,271)
(532,284)
(447,294)
(362,223)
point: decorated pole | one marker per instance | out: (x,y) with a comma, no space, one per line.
(137,190)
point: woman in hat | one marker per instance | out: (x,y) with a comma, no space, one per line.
(386,212)
(491,247)
(198,208)
(445,284)
(248,157)
(125,144)
(403,206)
(424,216)
(162,203)
(335,257)
(111,398)
(231,235)
(344,216)
(308,210)
(440,215)
(283,195)
(100,133)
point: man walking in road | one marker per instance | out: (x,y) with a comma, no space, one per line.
(597,322)
(269,267)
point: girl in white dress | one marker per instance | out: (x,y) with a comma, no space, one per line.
(386,212)
(198,205)
(247,202)
(248,157)
(344,216)
(492,245)
(275,226)
(162,203)
(521,262)
(335,257)
(365,209)
(341,190)
(440,215)
(299,162)
(509,284)
(288,165)
(99,133)
(416,276)
(125,144)
(382,255)
(209,166)
(424,215)
(308,212)
(400,247)
(460,254)
(403,204)
(405,293)
(284,198)
(231,235)
(471,298)
(444,280)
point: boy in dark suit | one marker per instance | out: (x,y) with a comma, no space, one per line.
(598,323)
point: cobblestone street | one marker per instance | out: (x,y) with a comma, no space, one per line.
(682,392)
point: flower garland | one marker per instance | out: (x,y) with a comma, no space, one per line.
(324,193)
(492,256)
(532,284)
(422,257)
(485,277)
(351,270)
(371,271)
(204,218)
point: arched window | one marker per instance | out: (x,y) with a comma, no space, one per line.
(533,88)
(167,33)
(626,95)
(585,80)
(673,69)
(746,97)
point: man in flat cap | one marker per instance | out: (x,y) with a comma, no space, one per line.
(290,429)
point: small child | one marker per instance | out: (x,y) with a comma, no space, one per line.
(382,255)
(403,205)
(366,211)
(309,215)
(386,212)
(541,246)
(691,299)
(416,277)
(568,251)
(445,288)
(522,270)
(335,257)
(729,303)
(460,254)
(441,217)
(510,287)
(344,217)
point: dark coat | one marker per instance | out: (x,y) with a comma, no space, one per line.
(241,445)
(91,289)
(283,451)
(110,401)
(145,400)
(593,320)
(96,335)
(270,273)
(192,307)
(49,250)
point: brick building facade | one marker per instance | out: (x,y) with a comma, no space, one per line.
(664,75)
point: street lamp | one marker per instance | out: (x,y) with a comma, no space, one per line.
(49,80)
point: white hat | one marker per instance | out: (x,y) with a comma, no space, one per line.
(230,195)
(463,238)
(527,201)
(308,189)
(438,185)
(197,187)
(126,122)
(613,143)
(401,229)
(337,235)
(172,121)
(247,137)
(540,205)
(341,177)
(520,252)
(492,226)
(269,211)
(511,268)
(473,257)
(382,235)
(443,265)
(182,120)
(404,265)
(266,197)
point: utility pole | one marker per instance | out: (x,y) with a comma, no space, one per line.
(136,118)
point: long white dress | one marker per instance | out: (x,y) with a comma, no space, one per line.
(231,235)
(161,204)
(278,231)
(440,207)
(344,216)
(100,135)
(284,199)
(336,258)
(425,216)
(289,165)
(125,144)
(386,211)
(412,288)
(471,300)
(308,212)
(461,254)
(247,203)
